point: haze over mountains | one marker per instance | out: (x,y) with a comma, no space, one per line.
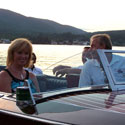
(11,21)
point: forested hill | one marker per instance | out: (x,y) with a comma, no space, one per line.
(41,31)
(11,21)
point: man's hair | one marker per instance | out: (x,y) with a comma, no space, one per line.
(34,57)
(104,39)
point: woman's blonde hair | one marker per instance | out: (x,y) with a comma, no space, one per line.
(19,44)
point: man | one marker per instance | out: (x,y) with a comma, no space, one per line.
(92,72)
(32,68)
(62,70)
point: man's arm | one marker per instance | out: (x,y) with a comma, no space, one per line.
(65,71)
(60,67)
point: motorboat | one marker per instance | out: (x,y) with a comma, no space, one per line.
(60,102)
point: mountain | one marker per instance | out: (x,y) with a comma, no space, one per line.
(12,21)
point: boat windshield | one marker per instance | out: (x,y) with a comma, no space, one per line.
(102,68)
(114,65)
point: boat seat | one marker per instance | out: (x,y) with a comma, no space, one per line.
(2,67)
(42,83)
(50,83)
(72,80)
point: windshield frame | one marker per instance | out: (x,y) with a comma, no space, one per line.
(113,84)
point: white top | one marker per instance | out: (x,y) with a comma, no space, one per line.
(35,70)
(78,67)
(92,73)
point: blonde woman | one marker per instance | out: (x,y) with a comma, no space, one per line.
(18,58)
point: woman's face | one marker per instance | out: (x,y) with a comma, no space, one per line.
(21,57)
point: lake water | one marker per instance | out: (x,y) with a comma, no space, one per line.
(48,56)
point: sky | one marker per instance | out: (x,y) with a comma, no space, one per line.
(88,15)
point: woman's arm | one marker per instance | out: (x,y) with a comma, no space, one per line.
(5,82)
(35,81)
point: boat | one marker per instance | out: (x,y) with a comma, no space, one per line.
(61,102)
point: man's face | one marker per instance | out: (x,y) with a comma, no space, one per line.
(95,44)
(85,50)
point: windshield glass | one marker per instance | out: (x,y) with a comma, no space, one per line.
(116,62)
(100,68)
(92,73)
(88,74)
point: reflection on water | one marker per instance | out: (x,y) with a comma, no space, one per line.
(48,56)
